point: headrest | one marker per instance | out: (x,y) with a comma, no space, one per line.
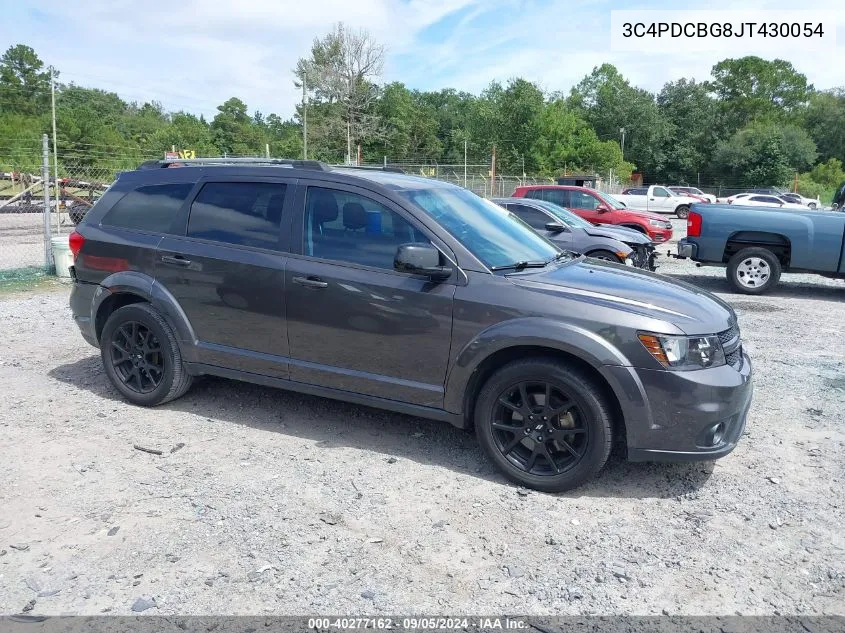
(323,206)
(354,216)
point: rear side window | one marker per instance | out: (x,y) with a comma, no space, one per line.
(559,197)
(240,213)
(149,208)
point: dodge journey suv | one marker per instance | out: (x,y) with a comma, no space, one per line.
(400,292)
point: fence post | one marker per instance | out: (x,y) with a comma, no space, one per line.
(45,187)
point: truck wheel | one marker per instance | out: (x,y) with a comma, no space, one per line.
(682,212)
(754,270)
(545,425)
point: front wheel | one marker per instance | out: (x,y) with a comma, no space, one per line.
(606,256)
(141,356)
(813,205)
(682,212)
(754,270)
(545,425)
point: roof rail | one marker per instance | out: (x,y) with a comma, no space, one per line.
(297,164)
(394,170)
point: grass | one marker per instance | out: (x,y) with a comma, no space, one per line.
(31,278)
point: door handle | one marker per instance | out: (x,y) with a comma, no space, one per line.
(176,260)
(310,282)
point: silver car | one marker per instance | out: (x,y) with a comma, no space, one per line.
(573,233)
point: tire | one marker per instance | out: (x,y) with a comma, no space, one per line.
(682,212)
(127,345)
(754,270)
(605,256)
(577,442)
(813,206)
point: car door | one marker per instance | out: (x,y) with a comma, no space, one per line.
(226,272)
(354,322)
(586,205)
(537,219)
(660,200)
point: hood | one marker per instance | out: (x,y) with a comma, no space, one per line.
(692,310)
(630,236)
(648,214)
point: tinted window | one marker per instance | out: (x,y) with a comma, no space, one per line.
(635,192)
(556,196)
(242,213)
(581,200)
(660,192)
(533,217)
(150,208)
(348,227)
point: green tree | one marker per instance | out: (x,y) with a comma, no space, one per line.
(609,103)
(694,118)
(825,121)
(754,89)
(764,154)
(565,141)
(24,84)
(235,132)
(342,69)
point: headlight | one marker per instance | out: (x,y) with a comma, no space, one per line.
(684,352)
(660,224)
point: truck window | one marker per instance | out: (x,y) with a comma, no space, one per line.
(660,192)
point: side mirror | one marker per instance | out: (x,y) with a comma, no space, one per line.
(602,208)
(421,259)
(554,227)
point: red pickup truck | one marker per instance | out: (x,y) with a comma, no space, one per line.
(599,208)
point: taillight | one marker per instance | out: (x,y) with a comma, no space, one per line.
(75,241)
(693,224)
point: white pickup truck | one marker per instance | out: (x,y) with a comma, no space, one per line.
(656,199)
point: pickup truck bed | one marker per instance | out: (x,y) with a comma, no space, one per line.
(757,243)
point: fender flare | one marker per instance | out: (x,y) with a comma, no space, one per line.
(529,331)
(145,287)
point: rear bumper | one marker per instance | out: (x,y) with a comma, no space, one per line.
(686,415)
(81,304)
(686,250)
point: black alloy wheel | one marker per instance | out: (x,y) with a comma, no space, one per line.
(539,429)
(135,354)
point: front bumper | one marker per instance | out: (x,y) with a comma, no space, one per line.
(685,415)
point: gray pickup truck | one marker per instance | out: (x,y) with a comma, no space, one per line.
(757,244)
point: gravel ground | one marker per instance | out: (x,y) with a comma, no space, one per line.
(271,502)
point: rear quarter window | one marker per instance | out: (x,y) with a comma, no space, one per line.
(149,208)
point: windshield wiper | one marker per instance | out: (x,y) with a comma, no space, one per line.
(562,255)
(520,266)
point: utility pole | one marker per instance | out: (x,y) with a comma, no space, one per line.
(55,154)
(45,188)
(493,173)
(465,164)
(348,142)
(266,150)
(622,131)
(304,118)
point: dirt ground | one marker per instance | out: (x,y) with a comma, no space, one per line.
(264,501)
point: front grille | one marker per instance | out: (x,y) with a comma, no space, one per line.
(734,359)
(732,345)
(728,335)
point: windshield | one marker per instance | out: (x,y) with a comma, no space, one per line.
(564,215)
(610,200)
(494,235)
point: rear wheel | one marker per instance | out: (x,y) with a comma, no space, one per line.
(545,425)
(754,270)
(141,356)
(605,256)
(682,212)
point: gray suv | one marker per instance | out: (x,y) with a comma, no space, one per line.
(411,295)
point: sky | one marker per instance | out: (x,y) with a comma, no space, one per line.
(194,54)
